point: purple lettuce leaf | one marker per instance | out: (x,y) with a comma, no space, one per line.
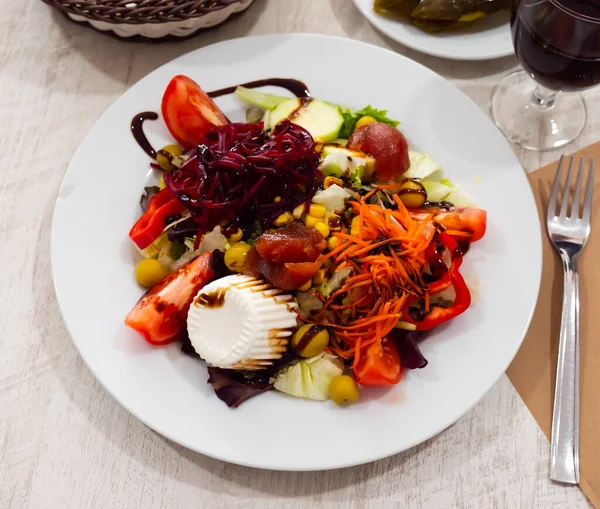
(410,353)
(235,387)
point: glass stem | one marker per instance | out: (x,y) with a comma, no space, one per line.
(543,97)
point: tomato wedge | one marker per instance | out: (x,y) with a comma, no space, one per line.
(379,365)
(161,314)
(189,112)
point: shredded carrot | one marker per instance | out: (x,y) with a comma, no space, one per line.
(387,255)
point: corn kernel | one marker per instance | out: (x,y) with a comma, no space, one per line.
(298,211)
(284,219)
(317,210)
(277,199)
(235,256)
(354,226)
(320,277)
(236,237)
(364,120)
(332,243)
(311,220)
(329,181)
(306,286)
(322,228)
(405,325)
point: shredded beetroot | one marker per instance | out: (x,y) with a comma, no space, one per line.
(239,171)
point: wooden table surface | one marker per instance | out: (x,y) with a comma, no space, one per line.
(64,442)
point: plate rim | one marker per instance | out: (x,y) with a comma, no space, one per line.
(224,457)
(373,19)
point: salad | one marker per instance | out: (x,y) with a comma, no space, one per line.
(307,250)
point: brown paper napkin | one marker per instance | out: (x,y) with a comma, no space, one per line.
(533,371)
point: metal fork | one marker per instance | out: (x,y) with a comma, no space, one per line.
(569,234)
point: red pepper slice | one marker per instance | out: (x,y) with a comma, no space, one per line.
(152,223)
(450,277)
(438,265)
(439,315)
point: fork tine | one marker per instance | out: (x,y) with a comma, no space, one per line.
(577,195)
(589,194)
(554,193)
(565,194)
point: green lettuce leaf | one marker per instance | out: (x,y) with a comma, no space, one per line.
(422,166)
(351,117)
(253,233)
(356,177)
(459,197)
(310,378)
(436,191)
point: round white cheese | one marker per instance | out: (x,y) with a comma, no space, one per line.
(238,322)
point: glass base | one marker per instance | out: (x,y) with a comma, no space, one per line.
(534,121)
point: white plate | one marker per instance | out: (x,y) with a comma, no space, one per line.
(93,266)
(487,39)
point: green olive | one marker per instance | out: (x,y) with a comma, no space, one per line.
(343,390)
(412,194)
(235,256)
(149,271)
(168,157)
(310,340)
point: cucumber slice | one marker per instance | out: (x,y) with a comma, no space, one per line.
(342,142)
(322,120)
(260,99)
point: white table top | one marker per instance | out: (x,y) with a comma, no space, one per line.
(64,442)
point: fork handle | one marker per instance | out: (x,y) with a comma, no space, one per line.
(564,452)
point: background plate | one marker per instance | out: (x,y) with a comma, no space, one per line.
(487,39)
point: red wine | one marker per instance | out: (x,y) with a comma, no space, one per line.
(558,41)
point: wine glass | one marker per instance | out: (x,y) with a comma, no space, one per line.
(558,44)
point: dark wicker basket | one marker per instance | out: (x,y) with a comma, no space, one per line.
(152,19)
